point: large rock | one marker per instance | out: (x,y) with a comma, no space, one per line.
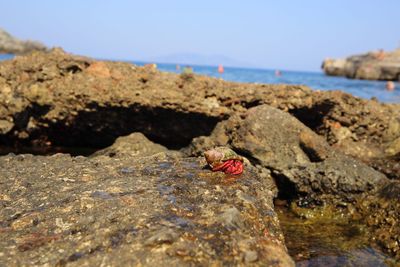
(56,96)
(378,65)
(59,100)
(11,45)
(135,144)
(302,162)
(150,211)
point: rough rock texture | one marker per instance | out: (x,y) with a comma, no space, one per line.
(381,213)
(308,171)
(301,161)
(55,99)
(150,211)
(11,45)
(371,66)
(59,100)
(118,208)
(135,144)
(390,166)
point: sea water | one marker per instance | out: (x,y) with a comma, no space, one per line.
(5,56)
(315,80)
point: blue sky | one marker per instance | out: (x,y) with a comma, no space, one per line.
(289,35)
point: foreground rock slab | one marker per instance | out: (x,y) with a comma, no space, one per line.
(148,211)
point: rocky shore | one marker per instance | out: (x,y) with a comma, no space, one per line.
(146,195)
(12,45)
(378,65)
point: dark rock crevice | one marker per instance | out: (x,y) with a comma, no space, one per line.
(313,116)
(286,188)
(35,111)
(98,127)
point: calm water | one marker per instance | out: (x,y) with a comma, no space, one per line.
(315,80)
(6,56)
(328,241)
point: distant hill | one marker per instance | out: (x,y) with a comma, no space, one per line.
(199,59)
(12,45)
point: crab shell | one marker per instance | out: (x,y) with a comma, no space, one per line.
(217,156)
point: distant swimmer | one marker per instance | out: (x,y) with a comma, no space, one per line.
(177,67)
(220,69)
(390,86)
(278,73)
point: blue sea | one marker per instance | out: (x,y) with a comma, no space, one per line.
(315,80)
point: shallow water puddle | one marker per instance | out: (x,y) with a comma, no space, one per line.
(323,241)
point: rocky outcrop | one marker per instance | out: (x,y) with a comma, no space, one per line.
(309,172)
(302,163)
(135,144)
(56,100)
(62,100)
(148,211)
(378,65)
(11,45)
(162,207)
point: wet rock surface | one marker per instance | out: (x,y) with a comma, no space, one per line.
(379,65)
(76,211)
(330,236)
(381,213)
(11,45)
(319,237)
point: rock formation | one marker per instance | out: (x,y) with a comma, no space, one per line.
(141,201)
(303,163)
(148,211)
(135,144)
(59,99)
(378,65)
(11,45)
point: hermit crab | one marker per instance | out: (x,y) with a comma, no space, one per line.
(224,159)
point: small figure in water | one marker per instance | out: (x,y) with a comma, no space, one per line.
(390,86)
(278,73)
(220,69)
